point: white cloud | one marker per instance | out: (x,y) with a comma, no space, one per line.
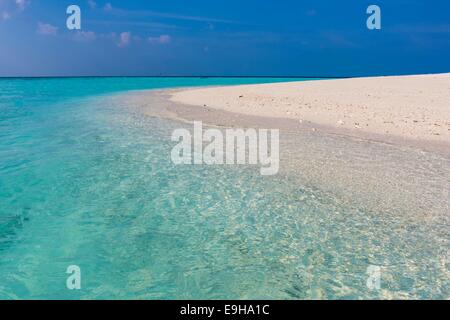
(109,36)
(22,4)
(150,13)
(85,36)
(5,15)
(108,7)
(46,29)
(12,7)
(162,39)
(124,39)
(92,4)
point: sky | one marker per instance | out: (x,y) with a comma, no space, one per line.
(322,38)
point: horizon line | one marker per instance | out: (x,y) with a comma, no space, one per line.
(177,76)
(221,76)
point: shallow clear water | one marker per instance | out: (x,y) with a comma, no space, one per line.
(85,180)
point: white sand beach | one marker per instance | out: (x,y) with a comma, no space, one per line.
(411,107)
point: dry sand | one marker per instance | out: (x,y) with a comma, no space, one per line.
(409,107)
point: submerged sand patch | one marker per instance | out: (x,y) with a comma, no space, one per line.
(383,173)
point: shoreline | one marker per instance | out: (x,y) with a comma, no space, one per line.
(184,104)
(223,119)
(380,174)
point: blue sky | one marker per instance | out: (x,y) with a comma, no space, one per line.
(224,37)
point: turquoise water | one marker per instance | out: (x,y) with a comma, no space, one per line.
(85,180)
